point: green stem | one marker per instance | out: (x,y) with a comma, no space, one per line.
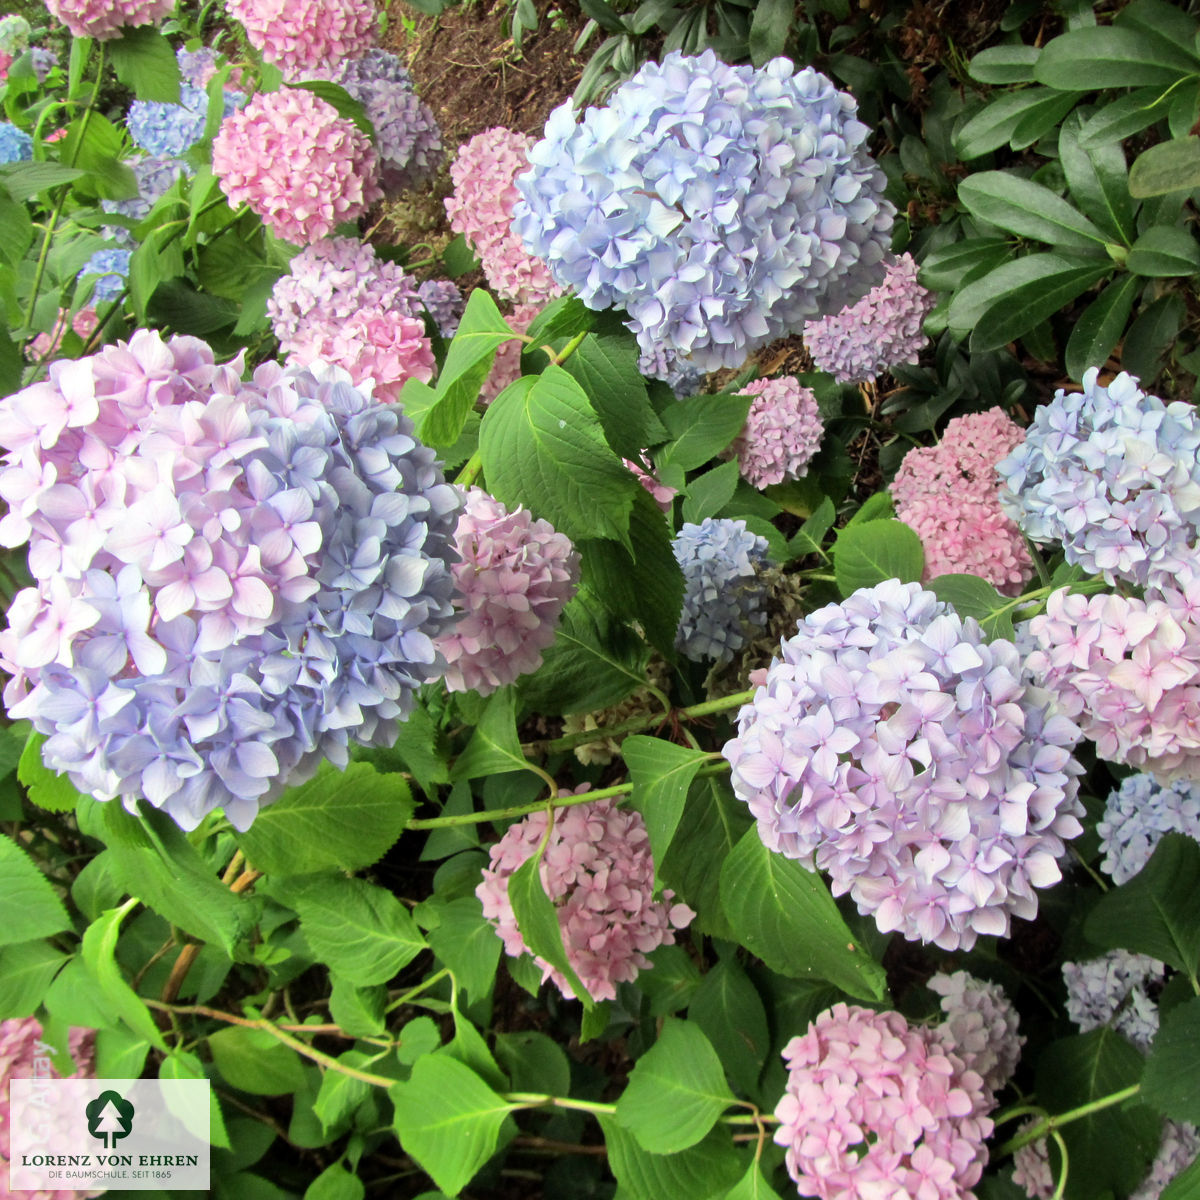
(470,471)
(1047,1125)
(523,810)
(537,1100)
(412,992)
(569,349)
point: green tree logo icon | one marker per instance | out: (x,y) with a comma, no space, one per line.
(109,1118)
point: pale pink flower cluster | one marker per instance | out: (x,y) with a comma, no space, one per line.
(663,496)
(783,431)
(104,19)
(506,366)
(1127,671)
(881,331)
(302,35)
(24,1055)
(981,1024)
(292,160)
(877,1108)
(1031,1166)
(1178,1149)
(481,209)
(341,303)
(949,496)
(599,872)
(45,345)
(513,579)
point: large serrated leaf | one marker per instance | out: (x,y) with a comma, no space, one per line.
(707,1169)
(494,746)
(662,773)
(144,61)
(26,972)
(1172,1081)
(29,906)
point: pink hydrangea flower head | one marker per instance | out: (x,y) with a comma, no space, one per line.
(513,579)
(24,1055)
(296,163)
(948,494)
(342,304)
(881,331)
(981,1024)
(481,209)
(874,1107)
(1127,671)
(302,35)
(1031,1166)
(104,19)
(599,872)
(84,323)
(894,747)
(783,431)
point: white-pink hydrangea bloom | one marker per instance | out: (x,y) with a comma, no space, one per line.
(1031,1166)
(506,366)
(663,495)
(948,494)
(24,1055)
(981,1024)
(876,1108)
(481,210)
(45,345)
(342,304)
(883,330)
(512,580)
(1128,672)
(295,162)
(304,35)
(783,431)
(599,872)
(105,19)
(1178,1149)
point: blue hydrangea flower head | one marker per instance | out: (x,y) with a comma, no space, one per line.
(111,266)
(169,130)
(155,176)
(1114,475)
(681,376)
(723,593)
(1137,815)
(15,144)
(720,206)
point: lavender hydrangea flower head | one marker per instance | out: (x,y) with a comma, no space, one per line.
(1031,1166)
(1137,814)
(407,137)
(1178,1150)
(105,19)
(513,579)
(722,591)
(875,1107)
(681,376)
(948,495)
(1128,671)
(1114,475)
(15,144)
(880,331)
(295,162)
(720,206)
(197,66)
(110,268)
(444,303)
(232,579)
(481,209)
(980,1025)
(342,304)
(783,431)
(915,762)
(1114,989)
(599,872)
(170,130)
(306,35)
(43,60)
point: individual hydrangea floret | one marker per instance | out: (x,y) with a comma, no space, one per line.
(1114,475)
(444,303)
(233,579)
(1178,1150)
(481,209)
(105,19)
(110,269)
(875,1107)
(949,496)
(881,331)
(598,870)
(720,206)
(1137,814)
(306,35)
(342,304)
(513,578)
(721,562)
(684,378)
(1127,671)
(1114,990)
(295,162)
(15,144)
(981,1024)
(155,177)
(407,137)
(894,747)
(783,431)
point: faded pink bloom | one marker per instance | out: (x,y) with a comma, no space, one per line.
(104,19)
(302,35)
(783,431)
(981,1025)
